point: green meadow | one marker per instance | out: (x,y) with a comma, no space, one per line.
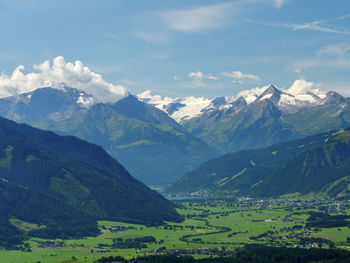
(206,225)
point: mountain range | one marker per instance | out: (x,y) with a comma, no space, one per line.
(152,146)
(159,140)
(63,184)
(256,118)
(318,164)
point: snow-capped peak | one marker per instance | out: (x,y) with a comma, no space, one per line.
(300,94)
(252,95)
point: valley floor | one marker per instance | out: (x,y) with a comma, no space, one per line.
(212,227)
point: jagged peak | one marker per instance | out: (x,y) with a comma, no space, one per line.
(332,95)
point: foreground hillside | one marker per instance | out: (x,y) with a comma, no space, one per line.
(64,184)
(320,164)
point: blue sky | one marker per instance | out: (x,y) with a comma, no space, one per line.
(180,48)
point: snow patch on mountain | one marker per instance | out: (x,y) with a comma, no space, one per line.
(193,107)
(85,100)
(250,95)
(185,108)
(156,100)
(267,96)
(287,99)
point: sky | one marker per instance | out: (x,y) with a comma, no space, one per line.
(174,47)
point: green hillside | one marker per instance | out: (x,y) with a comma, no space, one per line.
(65,184)
(324,170)
(318,163)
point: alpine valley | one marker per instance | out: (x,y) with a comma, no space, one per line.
(275,143)
(159,140)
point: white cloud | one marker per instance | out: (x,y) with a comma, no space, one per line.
(300,86)
(317,25)
(238,75)
(200,75)
(60,72)
(279,3)
(339,49)
(314,26)
(197,19)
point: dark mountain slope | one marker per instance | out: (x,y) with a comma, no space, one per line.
(131,107)
(43,172)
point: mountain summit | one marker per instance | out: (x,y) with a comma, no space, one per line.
(54,104)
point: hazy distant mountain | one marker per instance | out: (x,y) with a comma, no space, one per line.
(256,118)
(66,184)
(46,103)
(319,163)
(150,144)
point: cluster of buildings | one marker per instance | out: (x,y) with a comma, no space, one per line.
(119,228)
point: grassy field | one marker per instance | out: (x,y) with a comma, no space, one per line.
(206,225)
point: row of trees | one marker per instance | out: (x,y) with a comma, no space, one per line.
(249,255)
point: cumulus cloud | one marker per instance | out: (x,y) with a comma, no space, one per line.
(300,86)
(74,75)
(200,75)
(238,75)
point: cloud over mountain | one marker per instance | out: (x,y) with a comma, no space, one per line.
(300,86)
(75,75)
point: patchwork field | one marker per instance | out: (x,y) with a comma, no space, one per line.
(220,224)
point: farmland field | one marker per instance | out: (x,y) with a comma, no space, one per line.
(223,224)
